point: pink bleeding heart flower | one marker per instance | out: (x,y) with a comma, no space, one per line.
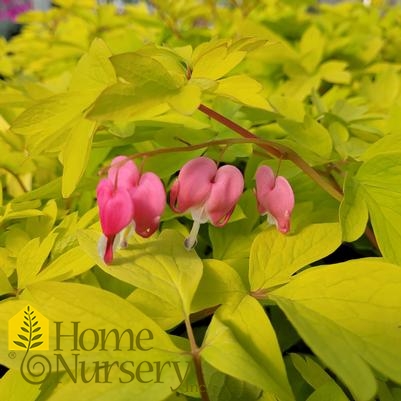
(124,172)
(275,198)
(128,199)
(115,212)
(149,199)
(209,193)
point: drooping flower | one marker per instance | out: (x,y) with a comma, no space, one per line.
(275,198)
(128,199)
(115,212)
(123,172)
(209,193)
(149,199)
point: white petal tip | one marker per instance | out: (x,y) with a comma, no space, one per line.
(101,246)
(190,243)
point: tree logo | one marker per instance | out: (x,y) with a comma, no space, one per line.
(28,330)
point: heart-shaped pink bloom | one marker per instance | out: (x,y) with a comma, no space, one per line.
(193,185)
(115,212)
(149,199)
(126,198)
(208,192)
(123,172)
(275,198)
(226,190)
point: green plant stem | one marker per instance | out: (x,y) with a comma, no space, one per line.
(17,178)
(283,152)
(195,351)
(318,103)
(370,235)
(270,147)
(279,151)
(202,314)
(188,148)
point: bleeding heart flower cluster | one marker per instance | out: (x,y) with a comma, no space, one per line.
(130,201)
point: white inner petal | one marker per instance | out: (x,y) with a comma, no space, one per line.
(199,214)
(191,241)
(124,235)
(101,246)
(271,220)
(102,243)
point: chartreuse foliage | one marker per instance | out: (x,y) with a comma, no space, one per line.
(313,91)
(348,336)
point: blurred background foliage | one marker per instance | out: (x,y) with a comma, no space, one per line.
(339,63)
(325,83)
(330,75)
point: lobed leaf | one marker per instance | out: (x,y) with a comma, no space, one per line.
(241,342)
(348,314)
(378,180)
(80,137)
(276,257)
(162,267)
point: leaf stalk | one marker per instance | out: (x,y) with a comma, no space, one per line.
(195,352)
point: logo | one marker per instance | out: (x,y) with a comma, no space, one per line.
(82,353)
(27,330)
